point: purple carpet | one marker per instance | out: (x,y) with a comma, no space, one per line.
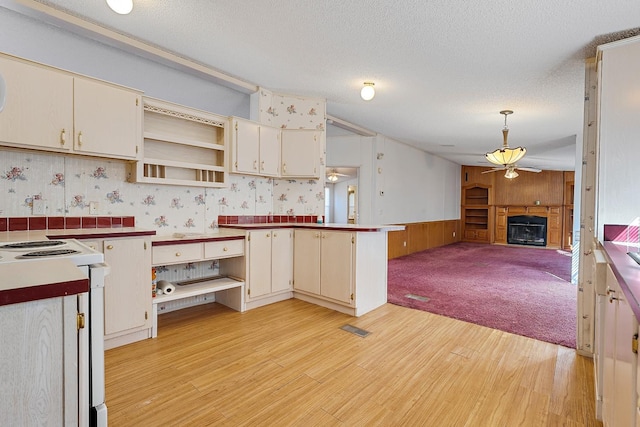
(516,289)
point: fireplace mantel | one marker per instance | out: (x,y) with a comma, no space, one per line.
(553,214)
(535,210)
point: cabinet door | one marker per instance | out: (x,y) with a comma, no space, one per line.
(337,259)
(246,146)
(38,110)
(127,289)
(501,225)
(259,280)
(269,151)
(107,119)
(608,351)
(554,222)
(306,261)
(300,153)
(281,260)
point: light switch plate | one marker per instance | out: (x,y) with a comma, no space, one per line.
(38,207)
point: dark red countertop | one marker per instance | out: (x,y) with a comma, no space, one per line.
(626,270)
(21,282)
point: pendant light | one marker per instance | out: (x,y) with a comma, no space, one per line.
(123,7)
(505,156)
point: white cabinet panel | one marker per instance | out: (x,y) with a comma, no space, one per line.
(53,110)
(336,272)
(38,109)
(246,146)
(281,260)
(306,261)
(259,277)
(127,290)
(269,151)
(300,153)
(108,119)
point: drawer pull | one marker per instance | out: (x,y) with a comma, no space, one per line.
(109,247)
(225,249)
(63,137)
(178,254)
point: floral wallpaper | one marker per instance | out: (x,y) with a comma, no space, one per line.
(287,111)
(68,184)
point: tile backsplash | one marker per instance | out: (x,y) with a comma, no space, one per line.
(68,185)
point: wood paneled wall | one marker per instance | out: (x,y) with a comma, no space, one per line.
(419,236)
(547,187)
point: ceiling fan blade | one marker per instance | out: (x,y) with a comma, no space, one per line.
(529,169)
(494,170)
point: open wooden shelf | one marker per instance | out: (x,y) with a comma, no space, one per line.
(182,146)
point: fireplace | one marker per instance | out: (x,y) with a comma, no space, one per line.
(527,230)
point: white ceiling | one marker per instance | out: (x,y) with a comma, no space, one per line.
(442,69)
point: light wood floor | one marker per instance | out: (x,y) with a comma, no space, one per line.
(290,364)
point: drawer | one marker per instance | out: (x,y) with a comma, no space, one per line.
(224,249)
(176,254)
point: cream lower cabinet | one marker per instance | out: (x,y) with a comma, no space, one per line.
(342,270)
(620,398)
(127,290)
(52,110)
(269,266)
(39,362)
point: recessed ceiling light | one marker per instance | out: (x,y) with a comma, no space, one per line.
(123,7)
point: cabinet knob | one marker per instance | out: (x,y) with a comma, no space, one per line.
(267,235)
(317,234)
(275,234)
(225,249)
(109,247)
(63,137)
(178,254)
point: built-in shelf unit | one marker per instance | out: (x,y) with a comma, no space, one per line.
(182,146)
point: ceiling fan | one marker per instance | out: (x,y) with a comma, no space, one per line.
(506,156)
(511,170)
(333,175)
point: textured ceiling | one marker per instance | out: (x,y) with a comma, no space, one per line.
(442,69)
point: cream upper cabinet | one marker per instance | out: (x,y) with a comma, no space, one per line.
(269,151)
(108,119)
(52,110)
(38,109)
(245,143)
(256,148)
(301,153)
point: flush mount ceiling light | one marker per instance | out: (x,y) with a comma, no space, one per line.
(122,7)
(332,177)
(368,91)
(505,156)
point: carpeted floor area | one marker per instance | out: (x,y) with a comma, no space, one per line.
(517,289)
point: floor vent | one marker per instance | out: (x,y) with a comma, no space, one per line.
(417,297)
(359,332)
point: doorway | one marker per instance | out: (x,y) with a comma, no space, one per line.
(341,195)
